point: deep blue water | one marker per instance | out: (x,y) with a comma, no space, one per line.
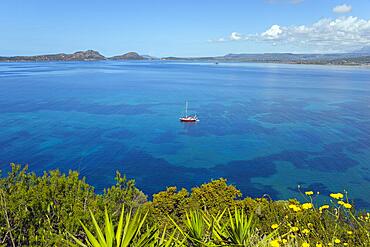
(264,127)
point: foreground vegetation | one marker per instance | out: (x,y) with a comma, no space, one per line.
(58,209)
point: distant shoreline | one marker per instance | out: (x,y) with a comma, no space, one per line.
(189,61)
(338,59)
(266,62)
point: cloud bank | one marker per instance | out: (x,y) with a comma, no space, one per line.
(325,35)
(342,9)
(235,36)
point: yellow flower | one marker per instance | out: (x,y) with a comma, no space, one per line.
(297,209)
(347,205)
(307,205)
(305,244)
(323,207)
(349,232)
(306,231)
(345,244)
(274,226)
(274,243)
(318,245)
(285,241)
(341,202)
(336,195)
(309,193)
(294,229)
(294,207)
(337,241)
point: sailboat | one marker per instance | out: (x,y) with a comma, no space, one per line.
(186,118)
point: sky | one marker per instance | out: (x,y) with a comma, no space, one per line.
(183,27)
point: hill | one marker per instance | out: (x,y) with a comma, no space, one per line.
(128,56)
(89,55)
(355,58)
(363,50)
(289,58)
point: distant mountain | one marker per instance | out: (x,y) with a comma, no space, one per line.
(363,50)
(129,56)
(86,55)
(360,57)
(271,57)
(89,55)
(361,60)
(150,57)
(336,58)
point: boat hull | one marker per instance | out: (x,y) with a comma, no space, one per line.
(188,120)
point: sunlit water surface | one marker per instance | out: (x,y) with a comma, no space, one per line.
(264,127)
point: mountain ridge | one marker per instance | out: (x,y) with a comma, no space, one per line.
(88,55)
(355,58)
(363,50)
(289,58)
(128,56)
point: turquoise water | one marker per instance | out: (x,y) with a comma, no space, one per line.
(264,127)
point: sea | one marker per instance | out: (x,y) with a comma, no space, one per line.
(272,130)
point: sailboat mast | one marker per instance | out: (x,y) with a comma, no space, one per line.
(186,109)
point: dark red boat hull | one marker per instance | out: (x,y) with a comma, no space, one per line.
(188,120)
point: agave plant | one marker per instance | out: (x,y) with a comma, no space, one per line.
(196,232)
(203,229)
(239,230)
(128,232)
(162,241)
(215,226)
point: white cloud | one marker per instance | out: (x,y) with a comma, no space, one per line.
(342,9)
(341,34)
(235,36)
(273,32)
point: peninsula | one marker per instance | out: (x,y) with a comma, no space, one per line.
(356,58)
(89,55)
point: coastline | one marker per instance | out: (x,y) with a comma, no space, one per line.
(267,62)
(336,59)
(366,66)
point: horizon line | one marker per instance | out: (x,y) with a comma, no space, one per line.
(193,56)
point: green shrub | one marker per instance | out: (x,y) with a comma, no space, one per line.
(48,210)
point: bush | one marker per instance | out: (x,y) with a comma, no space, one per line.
(47,210)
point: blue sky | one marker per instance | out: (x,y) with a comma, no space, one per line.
(182,27)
